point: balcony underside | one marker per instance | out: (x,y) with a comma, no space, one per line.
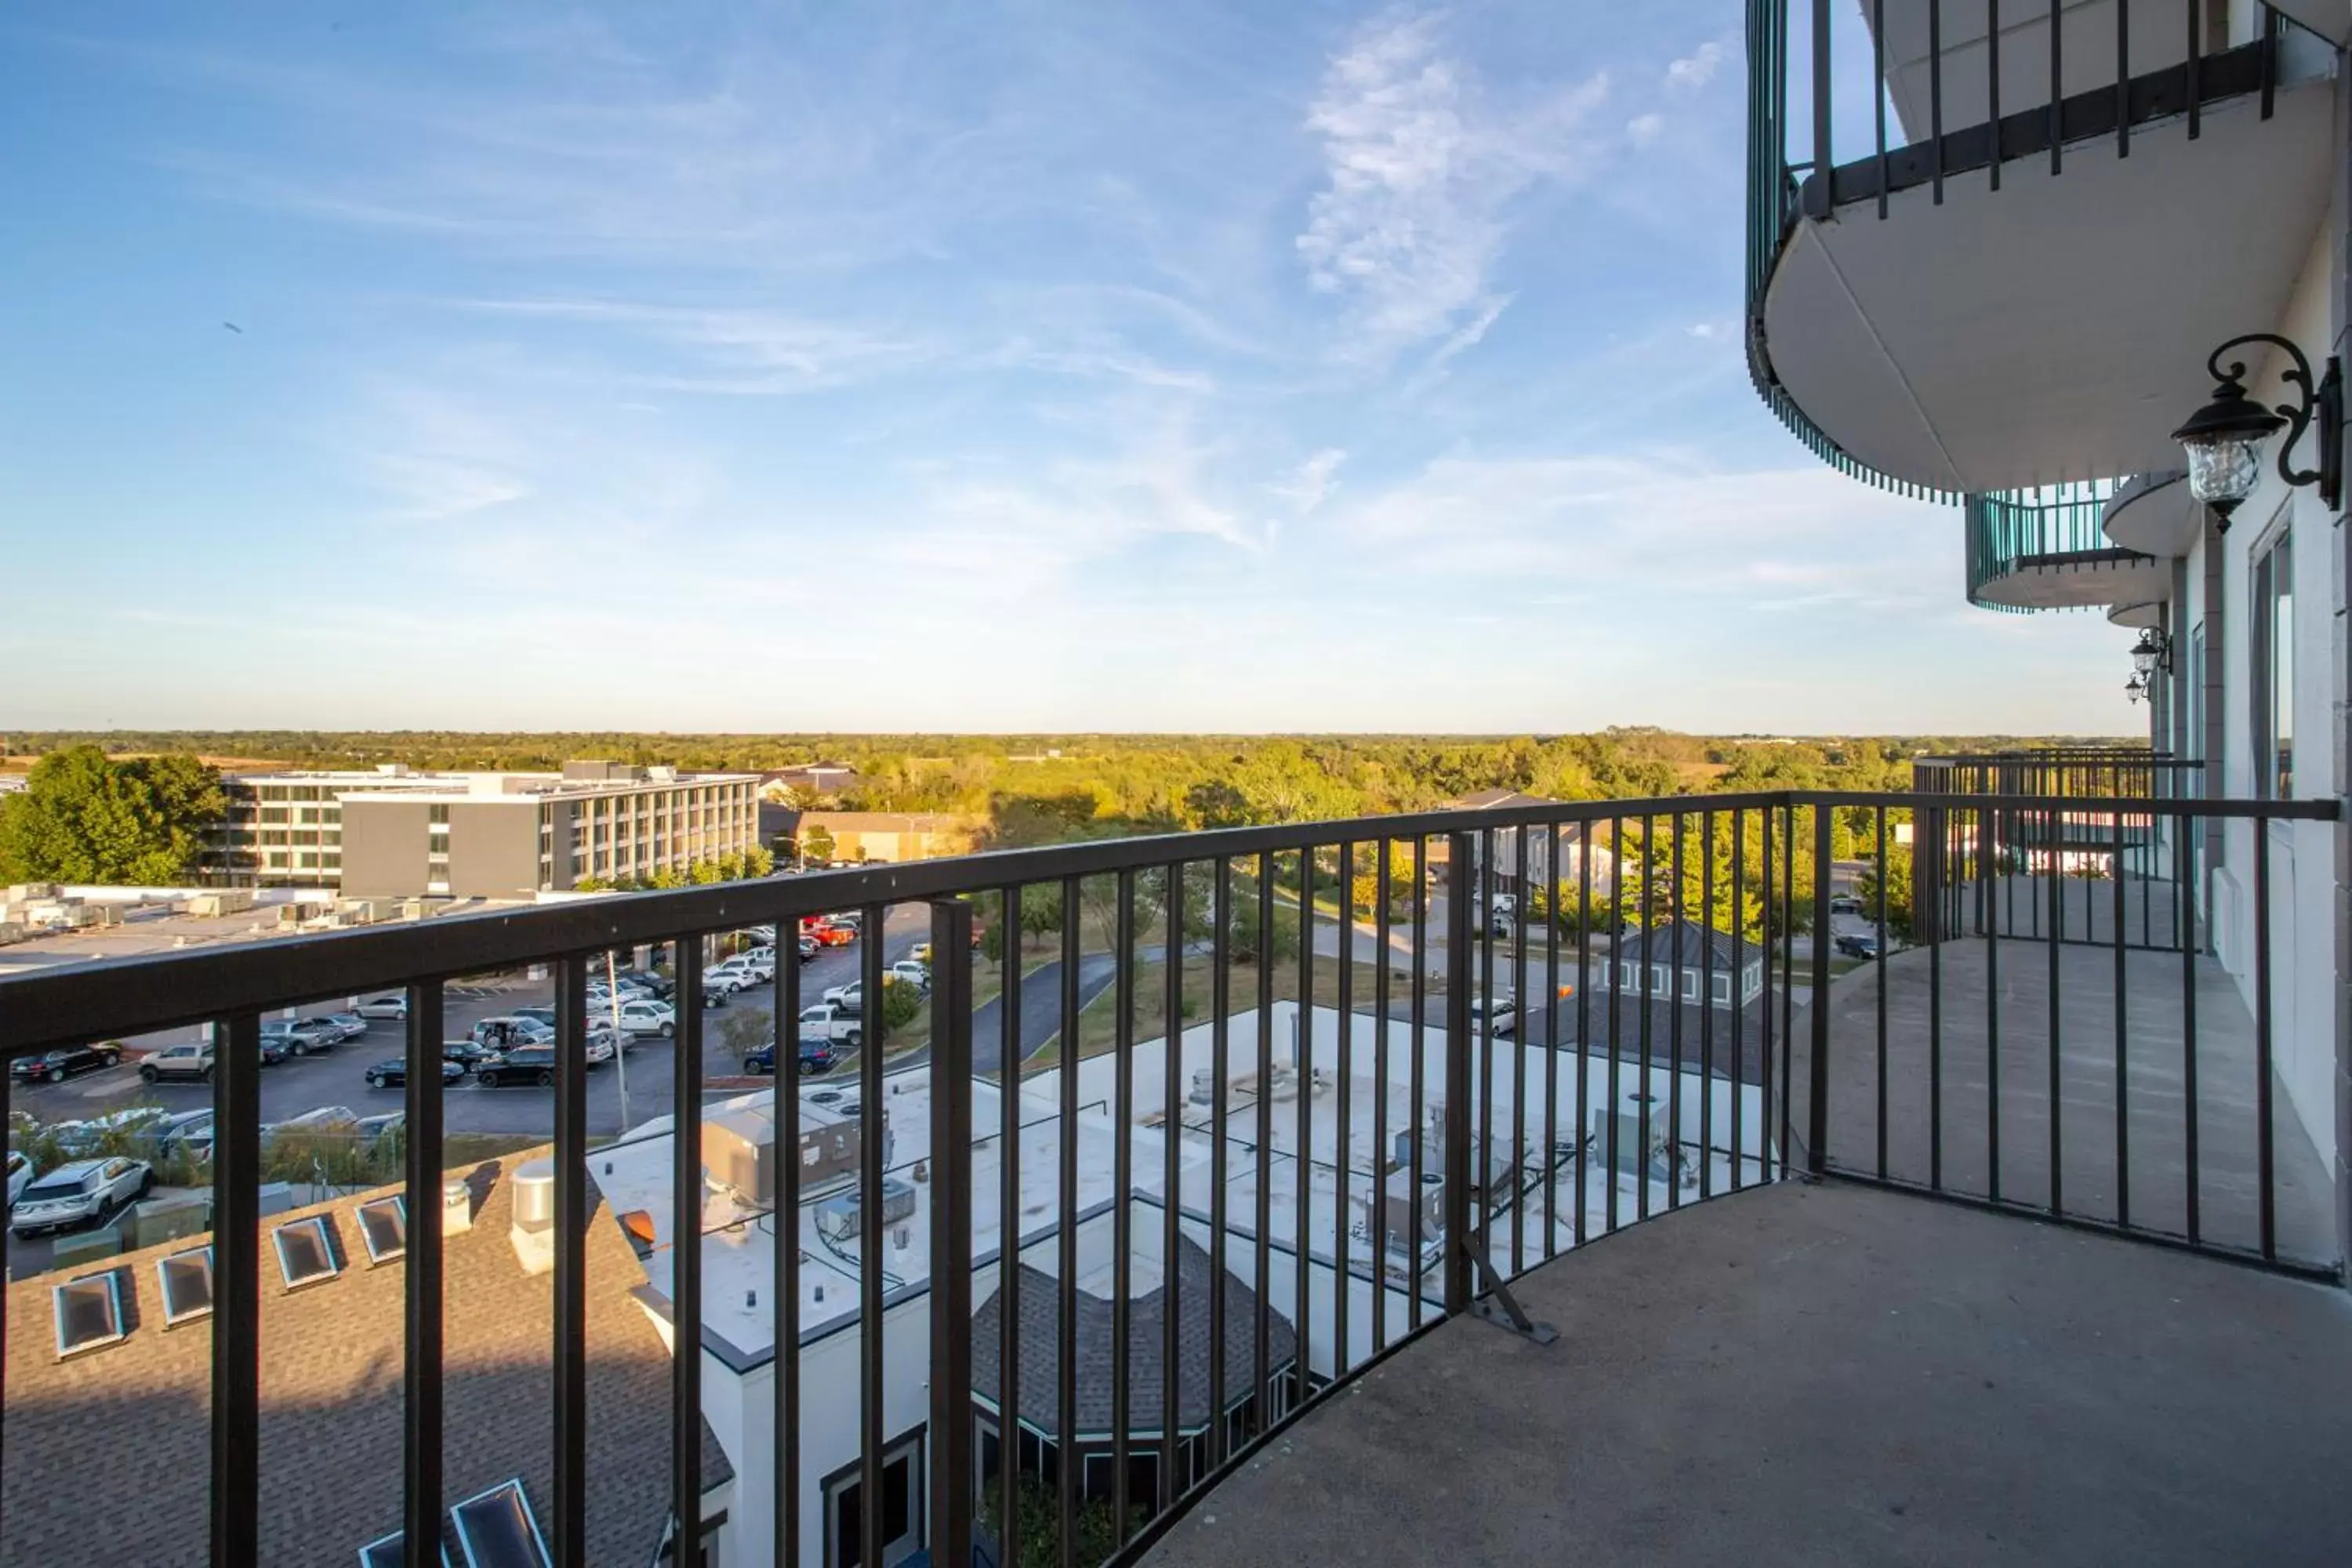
(2154,515)
(2056,328)
(1831,1374)
(2078,579)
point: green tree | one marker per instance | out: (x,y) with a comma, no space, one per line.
(901,1004)
(817,843)
(88,818)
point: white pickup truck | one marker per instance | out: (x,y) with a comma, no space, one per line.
(832,1021)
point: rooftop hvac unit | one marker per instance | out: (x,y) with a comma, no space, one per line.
(1641,1144)
(842,1217)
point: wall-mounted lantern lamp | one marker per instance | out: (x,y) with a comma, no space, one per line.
(2224,438)
(2136,687)
(2152,654)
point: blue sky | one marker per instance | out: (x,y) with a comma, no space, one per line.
(978,366)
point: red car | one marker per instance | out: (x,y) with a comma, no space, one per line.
(832,935)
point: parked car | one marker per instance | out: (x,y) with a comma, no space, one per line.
(351,1024)
(849,998)
(513,1029)
(524,1064)
(393,1004)
(655,985)
(303,1036)
(82,1192)
(190,1132)
(816,1055)
(809,947)
(537,1015)
(467,1054)
(110,1133)
(921,953)
(56,1067)
(645,1017)
(911,971)
(274,1047)
(393,1073)
(1864,944)
(1506,1013)
(762,956)
(20,1174)
(737,973)
(322,1120)
(831,1021)
(191,1062)
(832,934)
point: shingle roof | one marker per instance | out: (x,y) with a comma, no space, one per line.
(1481,800)
(1040,1307)
(1681,942)
(108,1451)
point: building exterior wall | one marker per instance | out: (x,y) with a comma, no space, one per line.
(383,852)
(493,849)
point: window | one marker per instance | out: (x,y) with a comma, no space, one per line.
(902,1493)
(2273,705)
(498,1529)
(89,1312)
(186,1281)
(1660,985)
(384,1226)
(1690,984)
(437,815)
(306,1252)
(1722,991)
(1626,980)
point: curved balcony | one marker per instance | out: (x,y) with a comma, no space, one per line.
(1948,283)
(2154,515)
(2043,549)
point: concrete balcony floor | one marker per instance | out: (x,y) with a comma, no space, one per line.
(1831,1374)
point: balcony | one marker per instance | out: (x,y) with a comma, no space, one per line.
(2043,549)
(1903,1237)
(1918,254)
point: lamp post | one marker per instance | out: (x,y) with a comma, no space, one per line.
(2224,438)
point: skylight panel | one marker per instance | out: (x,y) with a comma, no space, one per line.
(383,1225)
(186,1279)
(306,1252)
(497,1530)
(89,1312)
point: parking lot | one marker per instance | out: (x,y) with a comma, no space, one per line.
(337,1077)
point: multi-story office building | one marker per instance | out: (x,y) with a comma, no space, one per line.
(397,834)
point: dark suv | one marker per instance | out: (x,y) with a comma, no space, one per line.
(816,1056)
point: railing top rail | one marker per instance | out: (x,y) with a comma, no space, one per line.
(146,993)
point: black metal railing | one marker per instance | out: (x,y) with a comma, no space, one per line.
(1970,101)
(2067,871)
(1682,1006)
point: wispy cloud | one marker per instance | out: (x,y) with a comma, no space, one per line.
(1695,70)
(736,349)
(1420,171)
(1313,483)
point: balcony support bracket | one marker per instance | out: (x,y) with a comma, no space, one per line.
(1495,1303)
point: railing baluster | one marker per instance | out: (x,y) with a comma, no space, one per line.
(2055,875)
(1065,1466)
(685,1228)
(1739,1000)
(1878,93)
(1676,918)
(1878,984)
(1823,163)
(421,1160)
(1520,1027)
(951,1264)
(1764,1129)
(569,1327)
(1302,1058)
(2266,1152)
(1706,1009)
(236,1283)
(1817,1112)
(1460,873)
(785,1288)
(1171,1402)
(1010,1048)
(1993,87)
(1643,1096)
(1583,1013)
(1261,1346)
(1384,893)
(1922,852)
(1417,1106)
(1552,1056)
(2269,41)
(2182,853)
(1220,1087)
(1936,95)
(1989,831)
(1342,1157)
(1489,1156)
(2123,78)
(1122,1395)
(2057,85)
(2196,68)
(2123,1054)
